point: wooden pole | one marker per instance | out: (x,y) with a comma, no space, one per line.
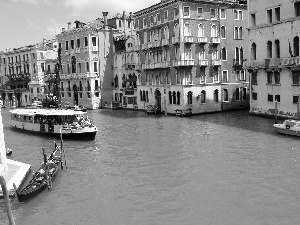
(275,112)
(7,203)
(298,111)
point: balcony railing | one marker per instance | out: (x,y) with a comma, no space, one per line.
(216,62)
(202,39)
(203,62)
(255,64)
(94,48)
(186,62)
(290,61)
(188,39)
(175,40)
(165,42)
(215,40)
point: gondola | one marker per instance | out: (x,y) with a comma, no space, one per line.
(42,179)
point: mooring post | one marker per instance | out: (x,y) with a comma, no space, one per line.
(6,199)
(275,112)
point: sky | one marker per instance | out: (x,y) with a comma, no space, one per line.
(26,22)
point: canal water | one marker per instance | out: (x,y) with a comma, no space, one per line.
(225,168)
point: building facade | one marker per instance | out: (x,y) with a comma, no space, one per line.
(22,73)
(274,62)
(179,50)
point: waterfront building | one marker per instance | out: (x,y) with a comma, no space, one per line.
(274,66)
(126,65)
(22,73)
(180,48)
(86,71)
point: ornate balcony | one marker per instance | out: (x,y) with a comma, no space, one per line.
(216,62)
(94,48)
(202,40)
(186,62)
(203,62)
(255,64)
(290,61)
(215,40)
(165,42)
(166,64)
(188,39)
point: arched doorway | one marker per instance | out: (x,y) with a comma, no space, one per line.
(75,93)
(158,99)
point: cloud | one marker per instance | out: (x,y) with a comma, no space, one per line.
(91,9)
(33,2)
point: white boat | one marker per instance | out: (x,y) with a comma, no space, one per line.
(290,127)
(53,121)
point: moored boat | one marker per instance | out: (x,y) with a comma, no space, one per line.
(69,123)
(42,179)
(290,127)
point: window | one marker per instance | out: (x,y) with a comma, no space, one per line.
(95,66)
(72,44)
(144,22)
(216,95)
(295,99)
(67,45)
(254,78)
(200,12)
(277,98)
(237,94)
(203,96)
(269,77)
(223,32)
(269,49)
(225,76)
(253,51)
(166,15)
(137,24)
(222,14)
(224,54)
(253,19)
(87,66)
(190,98)
(170,97)
(296,75)
(178,98)
(240,36)
(236,33)
(94,41)
(238,14)
(200,31)
(277,77)
(296,46)
(176,12)
(297,8)
(254,96)
(277,14)
(86,42)
(225,95)
(78,43)
(187,30)
(212,13)
(186,11)
(213,31)
(151,20)
(269,16)
(277,49)
(270,98)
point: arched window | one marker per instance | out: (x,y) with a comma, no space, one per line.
(253,51)
(170,97)
(145,38)
(241,55)
(166,33)
(223,34)
(200,30)
(137,39)
(296,46)
(174,97)
(203,96)
(240,33)
(116,81)
(237,54)
(73,64)
(168,78)
(216,95)
(277,49)
(224,54)
(141,96)
(178,98)
(190,98)
(269,49)
(176,30)
(187,30)
(144,96)
(213,30)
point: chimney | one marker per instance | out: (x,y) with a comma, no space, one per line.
(69,25)
(44,41)
(105,19)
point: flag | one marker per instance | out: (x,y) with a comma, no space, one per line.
(290,50)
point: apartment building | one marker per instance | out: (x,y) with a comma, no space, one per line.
(274,64)
(179,50)
(86,72)
(22,73)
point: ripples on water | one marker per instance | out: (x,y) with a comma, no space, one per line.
(224,168)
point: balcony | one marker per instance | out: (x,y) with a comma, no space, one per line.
(165,42)
(202,39)
(290,61)
(157,65)
(216,62)
(144,46)
(94,48)
(215,40)
(137,67)
(188,39)
(175,40)
(203,62)
(255,64)
(186,62)
(272,63)
(166,64)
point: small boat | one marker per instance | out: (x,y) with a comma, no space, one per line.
(42,179)
(69,122)
(8,151)
(290,127)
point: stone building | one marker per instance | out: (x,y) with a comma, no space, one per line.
(274,65)
(22,73)
(179,50)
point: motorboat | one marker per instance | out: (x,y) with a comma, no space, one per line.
(289,126)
